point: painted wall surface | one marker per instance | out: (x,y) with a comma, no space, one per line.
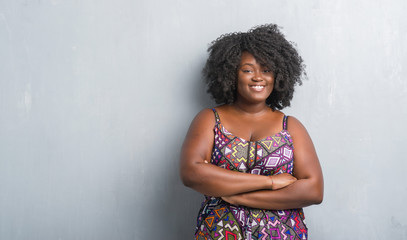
(96,98)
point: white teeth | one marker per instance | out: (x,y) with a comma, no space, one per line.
(257,87)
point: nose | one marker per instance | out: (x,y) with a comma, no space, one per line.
(257,77)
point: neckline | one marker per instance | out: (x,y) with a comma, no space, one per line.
(227,132)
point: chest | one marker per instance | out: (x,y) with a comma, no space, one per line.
(252,129)
(267,156)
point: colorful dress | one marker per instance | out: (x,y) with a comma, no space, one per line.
(272,155)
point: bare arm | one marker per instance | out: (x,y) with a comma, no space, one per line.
(307,190)
(210,179)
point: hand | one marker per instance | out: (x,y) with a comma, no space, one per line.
(282,180)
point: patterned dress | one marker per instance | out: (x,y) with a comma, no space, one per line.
(272,155)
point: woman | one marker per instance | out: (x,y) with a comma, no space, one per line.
(256,167)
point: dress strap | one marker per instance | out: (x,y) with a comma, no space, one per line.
(285,122)
(216,115)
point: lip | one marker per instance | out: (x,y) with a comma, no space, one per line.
(257,88)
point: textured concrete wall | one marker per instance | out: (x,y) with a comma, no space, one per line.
(96,97)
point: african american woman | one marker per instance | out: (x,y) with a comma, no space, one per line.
(256,166)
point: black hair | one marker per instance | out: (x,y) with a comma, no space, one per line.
(269,46)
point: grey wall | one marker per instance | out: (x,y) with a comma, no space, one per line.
(96,97)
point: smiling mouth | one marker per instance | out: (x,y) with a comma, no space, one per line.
(257,87)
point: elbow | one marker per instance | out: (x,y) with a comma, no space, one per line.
(187,180)
(315,193)
(318,195)
(314,198)
(189,177)
(318,198)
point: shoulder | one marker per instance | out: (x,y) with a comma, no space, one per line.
(206,114)
(295,127)
(293,121)
(204,118)
(278,114)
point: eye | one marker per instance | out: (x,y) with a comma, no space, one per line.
(246,70)
(267,71)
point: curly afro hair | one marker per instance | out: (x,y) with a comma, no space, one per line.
(269,46)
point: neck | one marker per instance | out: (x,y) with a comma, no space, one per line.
(257,108)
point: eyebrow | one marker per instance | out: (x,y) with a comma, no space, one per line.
(247,64)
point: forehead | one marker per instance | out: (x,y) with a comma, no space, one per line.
(248,58)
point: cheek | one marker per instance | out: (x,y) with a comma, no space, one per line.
(239,87)
(241,78)
(240,82)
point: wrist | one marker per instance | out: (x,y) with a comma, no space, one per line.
(270,182)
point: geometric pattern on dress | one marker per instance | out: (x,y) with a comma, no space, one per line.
(235,152)
(272,155)
(278,161)
(219,223)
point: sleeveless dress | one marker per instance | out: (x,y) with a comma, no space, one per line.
(272,155)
